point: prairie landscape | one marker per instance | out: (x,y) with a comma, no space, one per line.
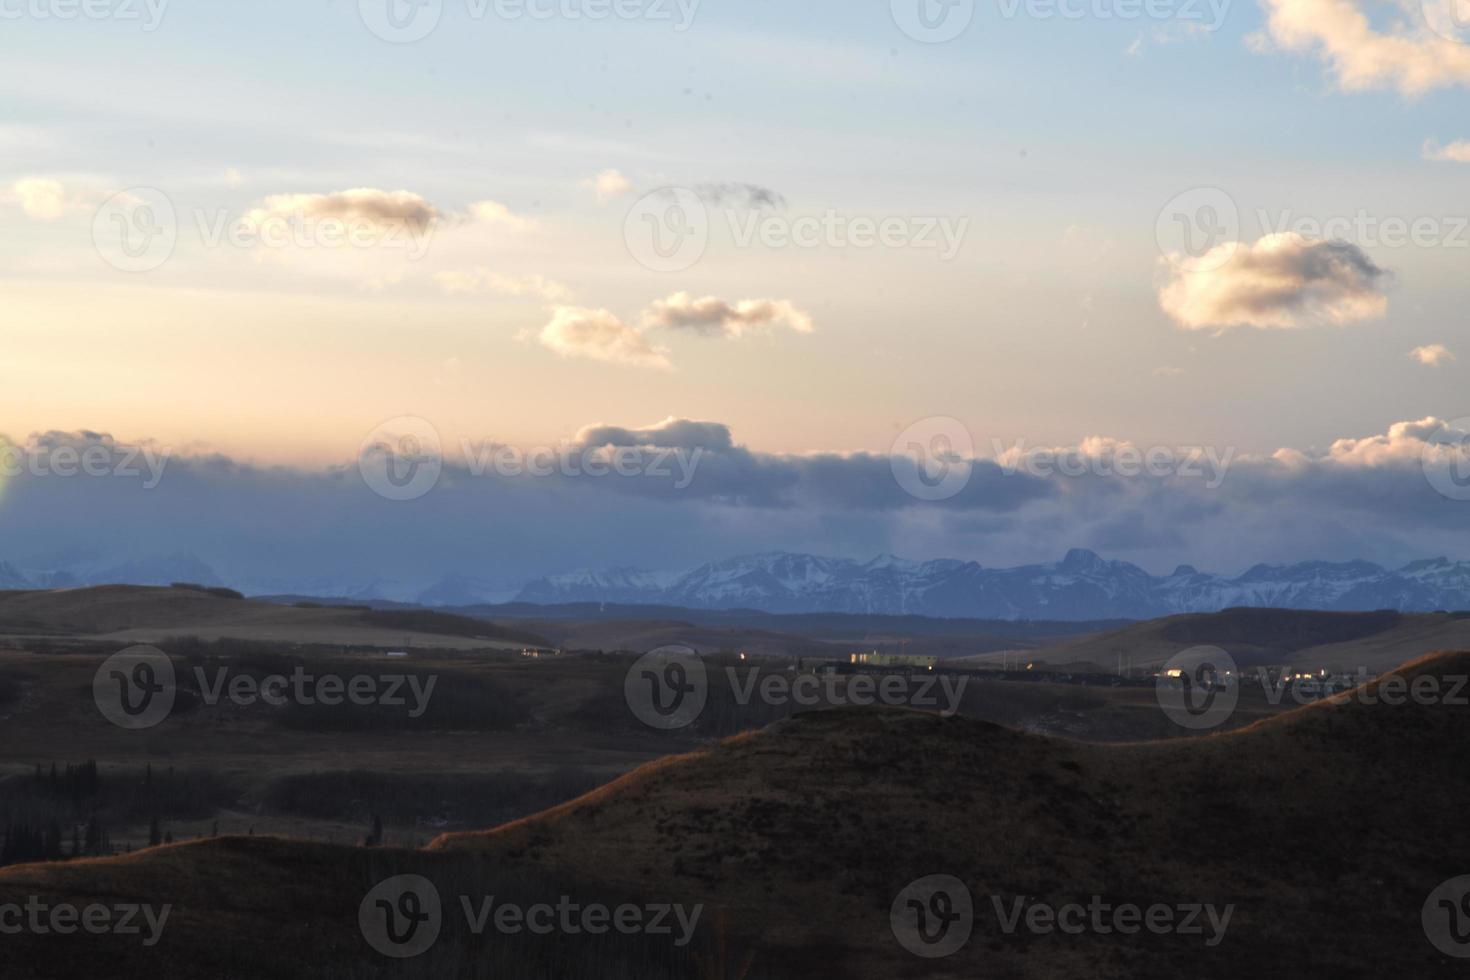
(715,490)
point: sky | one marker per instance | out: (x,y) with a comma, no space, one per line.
(252,236)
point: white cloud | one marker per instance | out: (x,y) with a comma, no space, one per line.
(576,331)
(43,198)
(1432,355)
(1282,281)
(1456,152)
(716,317)
(609,184)
(1412,53)
(482,280)
(1168,372)
(495,213)
(233,177)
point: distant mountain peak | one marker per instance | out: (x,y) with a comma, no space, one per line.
(1083,585)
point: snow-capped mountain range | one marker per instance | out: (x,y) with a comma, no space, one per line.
(1081,586)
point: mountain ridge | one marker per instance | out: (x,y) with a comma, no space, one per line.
(1083,585)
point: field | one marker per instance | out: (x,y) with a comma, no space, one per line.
(793,828)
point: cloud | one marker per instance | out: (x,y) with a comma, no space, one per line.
(43,198)
(495,213)
(1283,281)
(1432,355)
(481,280)
(1166,371)
(671,432)
(715,317)
(576,331)
(1456,152)
(752,196)
(1175,32)
(1413,53)
(601,335)
(282,529)
(609,184)
(365,205)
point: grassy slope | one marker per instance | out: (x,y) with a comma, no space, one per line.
(1327,827)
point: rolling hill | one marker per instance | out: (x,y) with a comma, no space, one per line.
(1372,641)
(804,834)
(126,614)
